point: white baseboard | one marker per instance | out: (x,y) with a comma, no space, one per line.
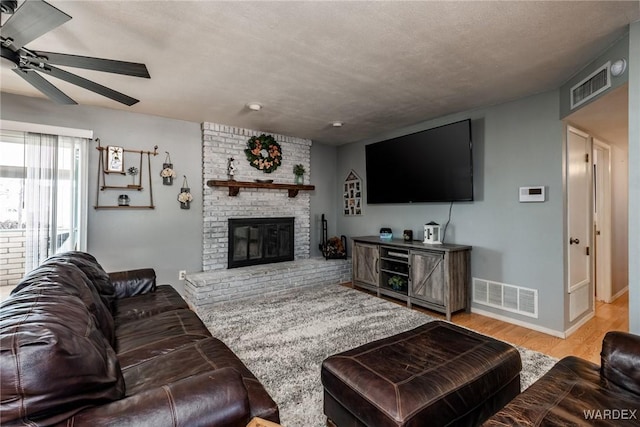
(620,293)
(527,325)
(612,298)
(579,324)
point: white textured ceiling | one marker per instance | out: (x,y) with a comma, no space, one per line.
(376,66)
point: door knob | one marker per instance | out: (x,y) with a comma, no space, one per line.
(573,241)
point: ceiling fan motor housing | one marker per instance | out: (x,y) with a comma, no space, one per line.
(10,55)
(8,6)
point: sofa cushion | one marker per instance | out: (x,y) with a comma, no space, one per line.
(571,393)
(70,279)
(164,298)
(204,355)
(129,283)
(620,358)
(215,398)
(145,338)
(94,271)
(54,360)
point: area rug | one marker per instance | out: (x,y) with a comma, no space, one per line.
(283,341)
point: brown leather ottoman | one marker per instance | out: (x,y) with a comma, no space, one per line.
(435,375)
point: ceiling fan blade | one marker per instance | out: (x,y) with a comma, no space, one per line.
(40,83)
(87,84)
(98,64)
(31,20)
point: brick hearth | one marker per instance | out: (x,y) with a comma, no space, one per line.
(202,290)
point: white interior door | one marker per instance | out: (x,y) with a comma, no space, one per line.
(579,210)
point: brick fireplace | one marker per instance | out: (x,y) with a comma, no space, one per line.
(221,142)
(216,283)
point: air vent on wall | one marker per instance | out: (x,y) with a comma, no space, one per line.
(506,297)
(592,86)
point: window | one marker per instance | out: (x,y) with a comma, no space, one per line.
(43,199)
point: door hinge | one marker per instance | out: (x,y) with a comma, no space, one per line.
(587,251)
(586,157)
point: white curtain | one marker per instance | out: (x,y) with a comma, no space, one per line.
(53,196)
(40,154)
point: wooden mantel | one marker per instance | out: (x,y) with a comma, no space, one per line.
(235,186)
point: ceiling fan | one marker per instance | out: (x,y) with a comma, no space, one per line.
(37,17)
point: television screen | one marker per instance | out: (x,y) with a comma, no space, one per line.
(434,165)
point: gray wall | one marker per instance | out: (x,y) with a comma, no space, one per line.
(167,238)
(634,178)
(515,144)
(323,176)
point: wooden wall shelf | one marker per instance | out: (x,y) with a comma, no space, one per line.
(235,186)
(121,187)
(124,207)
(103,174)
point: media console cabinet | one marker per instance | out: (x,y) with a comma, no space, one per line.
(436,277)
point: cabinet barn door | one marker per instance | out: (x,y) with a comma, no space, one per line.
(427,277)
(365,263)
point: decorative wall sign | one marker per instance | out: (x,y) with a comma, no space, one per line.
(352,194)
(115,159)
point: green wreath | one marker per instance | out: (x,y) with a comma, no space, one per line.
(264,153)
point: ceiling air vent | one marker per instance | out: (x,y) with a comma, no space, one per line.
(596,83)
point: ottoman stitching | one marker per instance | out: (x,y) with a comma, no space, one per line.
(484,342)
(397,388)
(364,397)
(438,324)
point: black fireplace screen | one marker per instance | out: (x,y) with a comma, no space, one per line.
(255,241)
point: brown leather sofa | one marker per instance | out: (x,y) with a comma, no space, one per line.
(577,392)
(81,347)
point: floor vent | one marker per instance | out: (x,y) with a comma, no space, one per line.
(511,298)
(592,86)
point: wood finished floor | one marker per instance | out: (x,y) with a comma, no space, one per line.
(586,342)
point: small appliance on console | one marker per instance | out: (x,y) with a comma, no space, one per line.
(432,233)
(385,233)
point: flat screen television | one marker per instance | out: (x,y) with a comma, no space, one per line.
(434,165)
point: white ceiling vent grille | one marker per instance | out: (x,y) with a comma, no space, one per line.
(592,86)
(511,298)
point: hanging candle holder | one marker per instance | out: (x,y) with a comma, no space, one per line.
(167,172)
(185,196)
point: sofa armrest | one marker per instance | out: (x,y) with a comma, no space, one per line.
(215,398)
(133,282)
(621,360)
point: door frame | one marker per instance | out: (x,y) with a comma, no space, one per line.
(603,229)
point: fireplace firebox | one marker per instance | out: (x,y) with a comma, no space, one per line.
(254,241)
